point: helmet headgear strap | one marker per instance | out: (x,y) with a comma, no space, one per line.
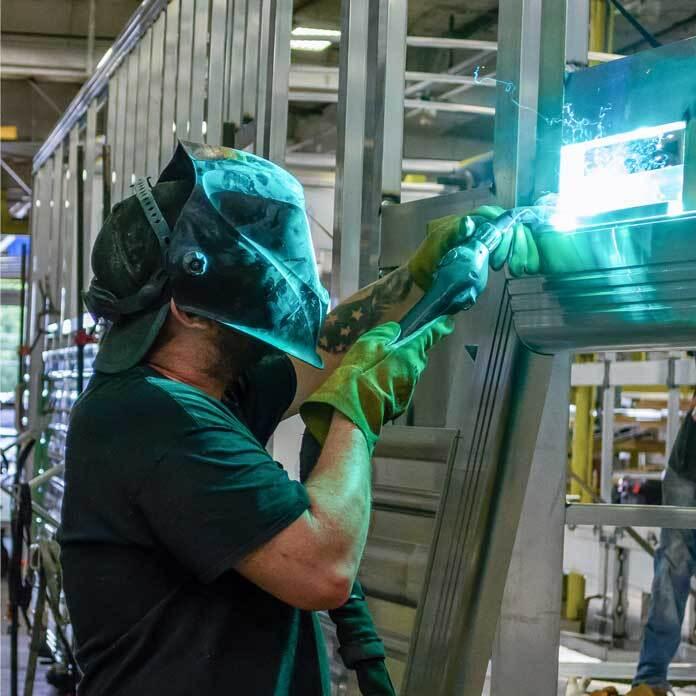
(153,213)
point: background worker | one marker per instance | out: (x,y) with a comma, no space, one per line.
(675,565)
(192,563)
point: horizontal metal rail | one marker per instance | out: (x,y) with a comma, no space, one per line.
(332,98)
(459,44)
(666,516)
(621,670)
(638,372)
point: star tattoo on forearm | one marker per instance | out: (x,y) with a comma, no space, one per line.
(345,324)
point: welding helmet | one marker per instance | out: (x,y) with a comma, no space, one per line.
(238,252)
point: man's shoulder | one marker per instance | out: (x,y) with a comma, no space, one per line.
(143,393)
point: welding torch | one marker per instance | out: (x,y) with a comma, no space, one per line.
(462,274)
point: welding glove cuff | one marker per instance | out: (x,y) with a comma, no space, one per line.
(355,630)
(373,678)
(375,381)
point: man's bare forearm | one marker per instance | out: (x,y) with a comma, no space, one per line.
(339,488)
(312,563)
(387,299)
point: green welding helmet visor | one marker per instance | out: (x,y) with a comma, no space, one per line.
(241,250)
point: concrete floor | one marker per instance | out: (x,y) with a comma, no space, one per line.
(41,688)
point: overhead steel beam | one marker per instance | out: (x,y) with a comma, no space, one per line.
(46,58)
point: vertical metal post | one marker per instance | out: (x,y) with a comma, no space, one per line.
(607,453)
(144,49)
(361,86)
(526,651)
(169,82)
(673,404)
(395,68)
(199,71)
(525,655)
(86,172)
(515,127)
(154,118)
(183,84)
(251,60)
(473,540)
(118,153)
(91,22)
(236,52)
(220,25)
(349,158)
(276,103)
(22,312)
(106,184)
(79,266)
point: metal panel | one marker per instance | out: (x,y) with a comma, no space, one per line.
(199,72)
(171,63)
(349,150)
(455,626)
(251,58)
(403,226)
(525,655)
(143,103)
(88,176)
(216,68)
(129,139)
(69,251)
(40,224)
(235,72)
(112,97)
(154,119)
(264,59)
(276,120)
(183,84)
(118,153)
(56,203)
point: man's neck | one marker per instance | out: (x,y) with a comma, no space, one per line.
(181,363)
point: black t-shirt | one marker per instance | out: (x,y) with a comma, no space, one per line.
(166,490)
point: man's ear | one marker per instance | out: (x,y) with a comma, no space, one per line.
(189,321)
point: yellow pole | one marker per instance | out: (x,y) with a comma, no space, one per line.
(598,26)
(575,596)
(582,446)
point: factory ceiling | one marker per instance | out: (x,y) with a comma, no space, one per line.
(45,59)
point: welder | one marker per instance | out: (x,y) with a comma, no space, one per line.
(192,563)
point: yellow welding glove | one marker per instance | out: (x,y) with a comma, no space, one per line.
(375,381)
(441,235)
(518,248)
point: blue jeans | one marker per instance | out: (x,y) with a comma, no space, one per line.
(675,563)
